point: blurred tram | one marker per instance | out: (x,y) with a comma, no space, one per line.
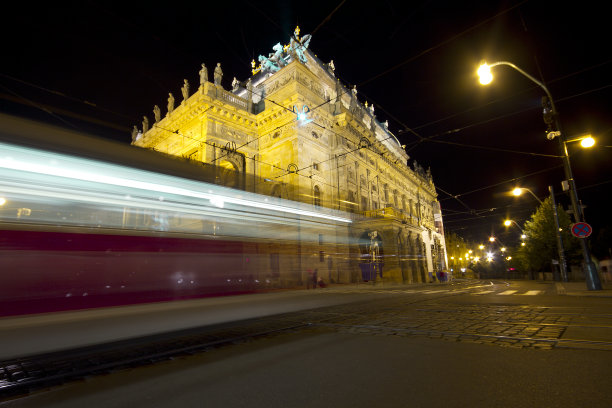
(88,223)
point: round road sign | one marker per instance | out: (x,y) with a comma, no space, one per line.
(581,230)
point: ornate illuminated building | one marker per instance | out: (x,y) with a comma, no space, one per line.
(293,130)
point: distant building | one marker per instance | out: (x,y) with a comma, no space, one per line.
(294,131)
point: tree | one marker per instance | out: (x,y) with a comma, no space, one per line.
(541,244)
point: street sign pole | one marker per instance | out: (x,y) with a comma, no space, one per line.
(562,263)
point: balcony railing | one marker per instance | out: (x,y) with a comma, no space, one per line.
(392,212)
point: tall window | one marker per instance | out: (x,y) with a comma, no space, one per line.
(317,196)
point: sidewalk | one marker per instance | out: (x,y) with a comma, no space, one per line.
(580,289)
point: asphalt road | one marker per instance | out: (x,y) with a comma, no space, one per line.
(474,344)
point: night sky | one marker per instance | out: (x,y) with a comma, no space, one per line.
(99,66)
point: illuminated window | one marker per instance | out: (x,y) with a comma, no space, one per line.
(317,196)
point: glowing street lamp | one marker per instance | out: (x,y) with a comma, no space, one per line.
(509,222)
(551,117)
(587,142)
(492,239)
(520,190)
(484,74)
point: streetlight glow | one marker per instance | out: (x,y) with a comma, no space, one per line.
(587,142)
(507,223)
(484,74)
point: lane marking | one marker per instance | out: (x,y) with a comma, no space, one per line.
(508,292)
(531,293)
(484,292)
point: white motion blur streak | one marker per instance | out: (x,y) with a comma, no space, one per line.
(58,165)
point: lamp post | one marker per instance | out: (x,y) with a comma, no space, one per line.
(551,116)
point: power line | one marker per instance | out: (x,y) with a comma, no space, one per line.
(445,42)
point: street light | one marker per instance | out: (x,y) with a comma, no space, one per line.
(586,141)
(520,190)
(509,222)
(551,117)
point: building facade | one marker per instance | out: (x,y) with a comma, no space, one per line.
(293,130)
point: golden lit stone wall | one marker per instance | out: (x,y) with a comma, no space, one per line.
(341,157)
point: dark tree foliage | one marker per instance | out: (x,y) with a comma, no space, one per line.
(541,243)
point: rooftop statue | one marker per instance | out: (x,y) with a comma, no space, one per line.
(170,102)
(218,74)
(135,132)
(185,90)
(203,75)
(277,57)
(283,55)
(265,65)
(298,45)
(331,68)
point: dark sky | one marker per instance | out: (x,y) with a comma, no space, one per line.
(99,66)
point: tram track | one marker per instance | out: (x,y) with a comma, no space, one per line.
(419,315)
(19,377)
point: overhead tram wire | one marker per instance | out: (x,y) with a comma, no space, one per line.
(41,107)
(495,149)
(506,98)
(445,42)
(507,181)
(326,19)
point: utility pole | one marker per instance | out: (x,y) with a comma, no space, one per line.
(562,263)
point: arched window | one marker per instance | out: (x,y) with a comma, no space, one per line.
(317,196)
(227,174)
